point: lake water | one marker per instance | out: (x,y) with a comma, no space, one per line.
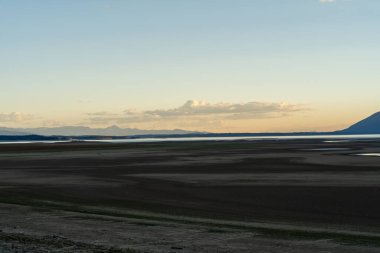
(326,149)
(330,138)
(370,154)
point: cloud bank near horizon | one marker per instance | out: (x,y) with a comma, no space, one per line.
(199,111)
(201,108)
(14,117)
(192,115)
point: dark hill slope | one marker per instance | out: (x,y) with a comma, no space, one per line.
(370,125)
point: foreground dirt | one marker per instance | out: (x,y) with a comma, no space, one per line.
(309,184)
(26,229)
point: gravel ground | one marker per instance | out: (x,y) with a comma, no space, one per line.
(26,229)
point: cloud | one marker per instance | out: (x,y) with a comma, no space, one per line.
(15,117)
(103,114)
(200,108)
(326,1)
(199,111)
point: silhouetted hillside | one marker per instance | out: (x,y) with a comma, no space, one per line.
(370,125)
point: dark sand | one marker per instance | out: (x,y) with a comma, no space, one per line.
(273,187)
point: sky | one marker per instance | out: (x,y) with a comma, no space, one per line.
(206,65)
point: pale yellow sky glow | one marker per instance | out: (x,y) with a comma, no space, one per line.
(202,116)
(235,66)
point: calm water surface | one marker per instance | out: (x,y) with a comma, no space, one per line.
(331,138)
(370,154)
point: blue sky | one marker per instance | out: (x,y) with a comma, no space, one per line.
(94,62)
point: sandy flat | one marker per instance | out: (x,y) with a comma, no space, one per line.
(305,183)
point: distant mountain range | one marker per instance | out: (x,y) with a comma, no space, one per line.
(8,131)
(80,131)
(370,125)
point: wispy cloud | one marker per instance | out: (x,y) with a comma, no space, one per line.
(326,1)
(15,117)
(199,108)
(102,114)
(199,111)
